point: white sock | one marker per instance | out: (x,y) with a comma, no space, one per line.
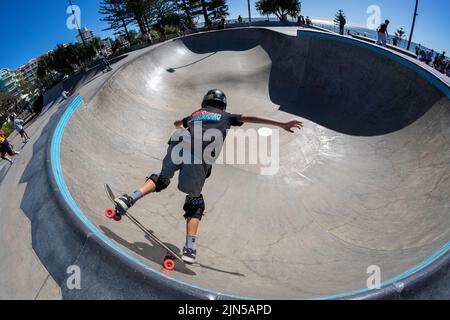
(190,242)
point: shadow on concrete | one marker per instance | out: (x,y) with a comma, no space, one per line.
(59,240)
(342,87)
(148,250)
(153,252)
(4,169)
(172,70)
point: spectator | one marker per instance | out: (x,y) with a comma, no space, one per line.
(342,23)
(65,94)
(429,57)
(183,28)
(18,125)
(301,21)
(240,19)
(418,50)
(6,149)
(103,58)
(162,33)
(395,41)
(437,61)
(442,56)
(308,21)
(383,35)
(209,25)
(221,25)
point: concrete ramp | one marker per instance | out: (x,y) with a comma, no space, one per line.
(367,182)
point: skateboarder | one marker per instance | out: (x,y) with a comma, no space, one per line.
(102,55)
(18,125)
(6,149)
(383,35)
(211,115)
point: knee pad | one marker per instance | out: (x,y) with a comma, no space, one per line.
(161,183)
(194,207)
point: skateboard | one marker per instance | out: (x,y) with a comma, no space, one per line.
(171,256)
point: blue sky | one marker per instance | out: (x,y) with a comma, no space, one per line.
(30,28)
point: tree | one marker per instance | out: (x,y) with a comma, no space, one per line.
(340,20)
(26,87)
(217,9)
(64,58)
(204,11)
(339,15)
(117,16)
(280,8)
(7,101)
(139,10)
(163,12)
(399,35)
(191,9)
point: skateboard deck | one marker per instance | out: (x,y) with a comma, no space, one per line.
(110,213)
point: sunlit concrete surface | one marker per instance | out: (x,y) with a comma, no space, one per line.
(367,182)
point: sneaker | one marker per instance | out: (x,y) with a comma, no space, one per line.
(16,153)
(123,203)
(11,162)
(189,255)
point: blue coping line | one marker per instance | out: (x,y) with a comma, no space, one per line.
(57,173)
(439,253)
(386,53)
(55,153)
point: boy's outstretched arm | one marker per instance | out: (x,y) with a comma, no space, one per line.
(288,126)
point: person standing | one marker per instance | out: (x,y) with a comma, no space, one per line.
(342,23)
(18,125)
(182,28)
(162,33)
(383,35)
(65,94)
(418,49)
(102,54)
(221,23)
(6,149)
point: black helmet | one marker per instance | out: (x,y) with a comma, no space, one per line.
(215,98)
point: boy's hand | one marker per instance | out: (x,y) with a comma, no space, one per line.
(290,125)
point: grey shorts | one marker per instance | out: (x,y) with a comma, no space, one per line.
(192,177)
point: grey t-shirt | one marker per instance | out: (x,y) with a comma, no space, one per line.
(18,124)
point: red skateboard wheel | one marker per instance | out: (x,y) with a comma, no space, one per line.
(169,264)
(110,213)
(117,218)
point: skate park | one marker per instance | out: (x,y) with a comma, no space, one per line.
(366,182)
